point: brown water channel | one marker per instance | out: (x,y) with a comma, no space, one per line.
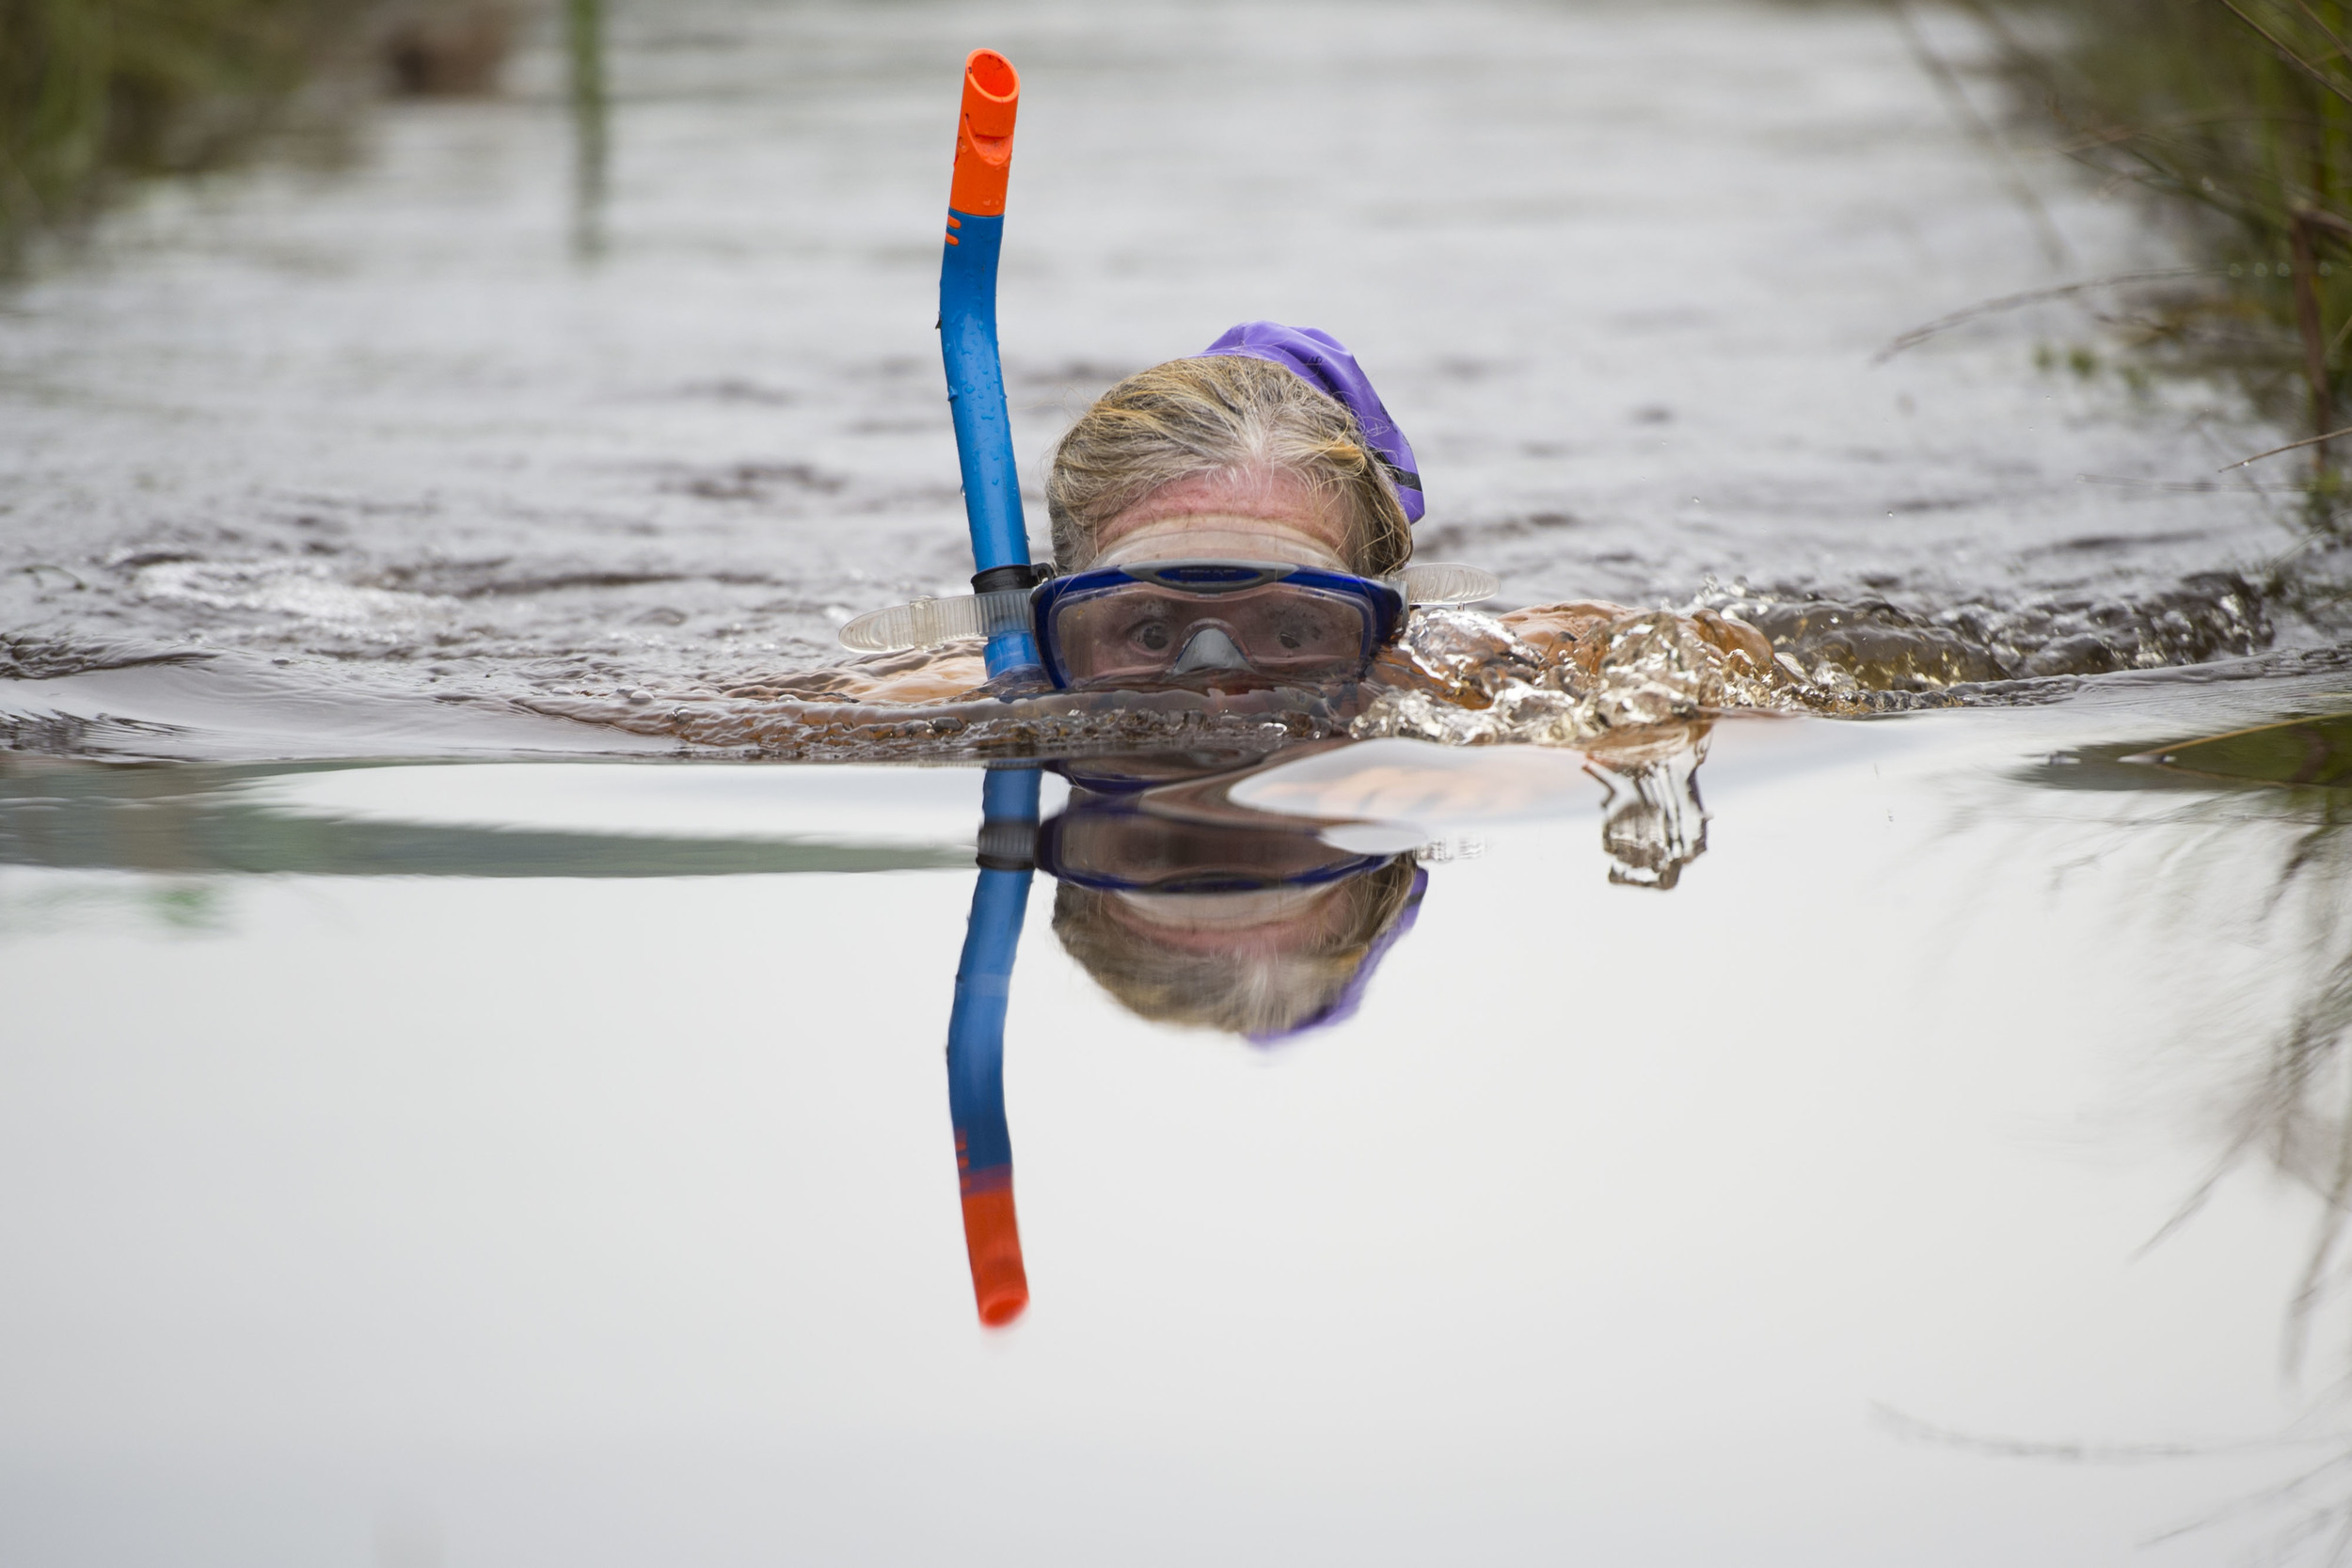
(435,1131)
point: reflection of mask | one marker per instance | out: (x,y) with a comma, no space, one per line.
(1115,848)
(1251,923)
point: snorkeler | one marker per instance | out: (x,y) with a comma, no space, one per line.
(1243,512)
(1242,515)
(1238,519)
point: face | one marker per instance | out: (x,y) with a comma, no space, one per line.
(1269,632)
(1281,630)
(1256,515)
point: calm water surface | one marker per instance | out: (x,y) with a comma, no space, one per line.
(436,1131)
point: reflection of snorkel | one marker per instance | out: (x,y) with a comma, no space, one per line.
(975,1043)
(1155,837)
(968,341)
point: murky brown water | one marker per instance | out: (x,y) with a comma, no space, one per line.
(1621,271)
(438,1129)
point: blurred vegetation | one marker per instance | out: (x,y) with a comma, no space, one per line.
(2237,114)
(97,93)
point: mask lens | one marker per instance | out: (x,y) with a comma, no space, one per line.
(1136,629)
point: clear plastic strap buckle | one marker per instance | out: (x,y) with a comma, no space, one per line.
(928,622)
(1438,582)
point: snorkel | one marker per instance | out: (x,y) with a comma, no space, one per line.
(1011,609)
(967,342)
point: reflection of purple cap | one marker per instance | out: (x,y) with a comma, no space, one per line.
(1343,1007)
(1324,362)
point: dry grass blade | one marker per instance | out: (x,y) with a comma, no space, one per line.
(2291,445)
(2318,22)
(1918,335)
(2287,53)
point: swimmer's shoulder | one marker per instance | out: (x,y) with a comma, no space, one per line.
(1581,626)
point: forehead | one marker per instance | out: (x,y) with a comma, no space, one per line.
(1257,512)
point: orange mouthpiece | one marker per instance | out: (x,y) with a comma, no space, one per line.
(991,96)
(993,1237)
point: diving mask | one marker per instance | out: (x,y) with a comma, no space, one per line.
(1150,620)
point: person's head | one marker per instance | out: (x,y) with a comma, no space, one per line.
(1226,456)
(1241,518)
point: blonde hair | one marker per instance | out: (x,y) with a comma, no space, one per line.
(1241,994)
(1219,414)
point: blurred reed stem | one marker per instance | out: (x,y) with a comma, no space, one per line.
(583,37)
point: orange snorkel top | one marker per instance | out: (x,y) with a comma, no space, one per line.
(992,97)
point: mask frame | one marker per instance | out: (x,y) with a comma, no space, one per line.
(929,623)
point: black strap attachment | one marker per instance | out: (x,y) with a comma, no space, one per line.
(1000,580)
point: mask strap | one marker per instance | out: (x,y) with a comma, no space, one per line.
(928,622)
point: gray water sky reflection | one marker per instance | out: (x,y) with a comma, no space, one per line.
(359,1198)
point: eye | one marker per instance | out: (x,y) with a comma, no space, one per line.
(1311,630)
(1152,634)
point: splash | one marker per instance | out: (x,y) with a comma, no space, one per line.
(1849,646)
(1058,723)
(1571,675)
(1465,678)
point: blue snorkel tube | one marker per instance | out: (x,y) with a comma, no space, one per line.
(1008,794)
(968,341)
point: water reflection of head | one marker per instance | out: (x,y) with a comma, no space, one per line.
(1256,929)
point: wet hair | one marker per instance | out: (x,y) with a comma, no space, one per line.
(1222,414)
(1240,993)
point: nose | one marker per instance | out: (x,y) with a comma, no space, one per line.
(1210,649)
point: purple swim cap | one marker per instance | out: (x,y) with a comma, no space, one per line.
(1324,360)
